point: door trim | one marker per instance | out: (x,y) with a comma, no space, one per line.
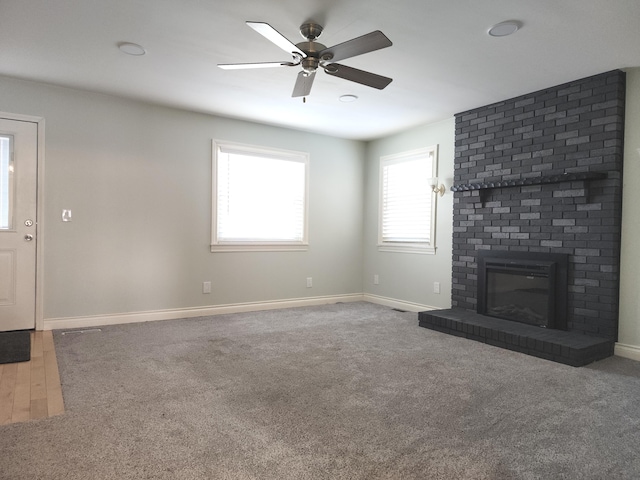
(39,293)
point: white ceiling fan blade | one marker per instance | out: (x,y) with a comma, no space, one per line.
(271,34)
(359,76)
(242,66)
(357,46)
(303,84)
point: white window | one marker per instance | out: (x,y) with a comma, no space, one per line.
(407,201)
(259,198)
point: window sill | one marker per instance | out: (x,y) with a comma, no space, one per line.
(260,247)
(407,248)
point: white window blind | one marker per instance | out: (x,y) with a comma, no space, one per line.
(407,201)
(260,197)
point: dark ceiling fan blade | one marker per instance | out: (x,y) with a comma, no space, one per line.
(303,84)
(271,34)
(359,76)
(242,66)
(357,46)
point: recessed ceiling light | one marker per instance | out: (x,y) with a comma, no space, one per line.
(131,48)
(348,98)
(504,28)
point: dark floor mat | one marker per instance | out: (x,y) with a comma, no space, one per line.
(15,346)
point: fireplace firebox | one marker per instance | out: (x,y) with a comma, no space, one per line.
(526,287)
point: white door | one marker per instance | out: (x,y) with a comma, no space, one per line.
(18,200)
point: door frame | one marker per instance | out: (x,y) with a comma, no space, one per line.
(39,293)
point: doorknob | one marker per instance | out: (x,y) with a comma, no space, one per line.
(28,237)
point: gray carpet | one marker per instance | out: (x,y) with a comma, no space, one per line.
(353,391)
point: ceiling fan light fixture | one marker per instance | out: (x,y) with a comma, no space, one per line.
(131,48)
(310,64)
(504,29)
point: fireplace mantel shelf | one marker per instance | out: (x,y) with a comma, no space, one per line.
(541,180)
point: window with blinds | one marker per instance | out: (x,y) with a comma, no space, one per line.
(259,198)
(407,201)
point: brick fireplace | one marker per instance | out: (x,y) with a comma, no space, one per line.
(542,174)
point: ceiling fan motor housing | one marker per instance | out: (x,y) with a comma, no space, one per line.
(312,49)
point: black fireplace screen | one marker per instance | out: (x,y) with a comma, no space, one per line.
(523,287)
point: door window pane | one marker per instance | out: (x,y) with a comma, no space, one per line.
(6,182)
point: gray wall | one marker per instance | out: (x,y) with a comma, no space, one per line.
(407,276)
(138,180)
(629,323)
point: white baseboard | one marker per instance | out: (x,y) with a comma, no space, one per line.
(627,351)
(157,315)
(393,303)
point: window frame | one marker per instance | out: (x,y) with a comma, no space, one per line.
(429,247)
(218,245)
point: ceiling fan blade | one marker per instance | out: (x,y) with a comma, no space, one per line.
(271,34)
(303,84)
(359,76)
(241,66)
(357,46)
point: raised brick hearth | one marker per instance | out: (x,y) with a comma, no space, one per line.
(543,173)
(557,345)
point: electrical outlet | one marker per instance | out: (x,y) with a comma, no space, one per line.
(436,287)
(376,279)
(66,215)
(309,282)
(206,287)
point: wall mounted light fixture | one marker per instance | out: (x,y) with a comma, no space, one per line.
(433,182)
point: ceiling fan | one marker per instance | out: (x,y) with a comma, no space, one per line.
(311,55)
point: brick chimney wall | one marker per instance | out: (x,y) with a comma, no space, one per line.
(572,128)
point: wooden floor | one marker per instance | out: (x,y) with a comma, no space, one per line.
(31,390)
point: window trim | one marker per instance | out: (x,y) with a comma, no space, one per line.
(263,245)
(409,247)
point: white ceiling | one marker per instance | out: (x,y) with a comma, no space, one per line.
(442,61)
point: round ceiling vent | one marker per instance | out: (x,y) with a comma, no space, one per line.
(504,29)
(131,48)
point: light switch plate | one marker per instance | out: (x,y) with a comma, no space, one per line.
(66,215)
